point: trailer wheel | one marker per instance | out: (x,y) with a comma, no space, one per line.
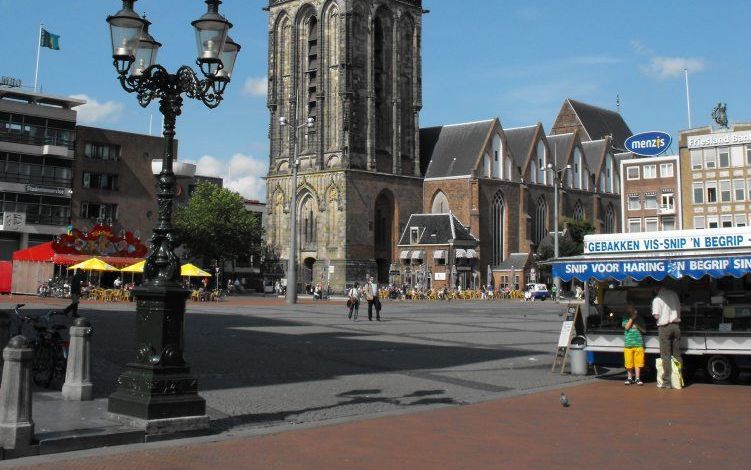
(721,369)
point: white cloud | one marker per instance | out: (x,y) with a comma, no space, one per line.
(640,48)
(242,174)
(256,86)
(662,68)
(94,111)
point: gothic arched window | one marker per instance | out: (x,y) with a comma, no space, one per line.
(610,219)
(579,211)
(440,204)
(307,222)
(540,230)
(497,217)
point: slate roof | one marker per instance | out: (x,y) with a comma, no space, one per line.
(593,152)
(444,226)
(519,141)
(561,142)
(601,122)
(452,150)
(517,260)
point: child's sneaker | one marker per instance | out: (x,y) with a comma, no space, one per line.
(638,382)
(628,381)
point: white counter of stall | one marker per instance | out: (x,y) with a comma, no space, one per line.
(711,271)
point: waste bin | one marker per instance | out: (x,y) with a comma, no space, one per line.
(578,356)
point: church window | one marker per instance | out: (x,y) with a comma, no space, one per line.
(440,204)
(497,218)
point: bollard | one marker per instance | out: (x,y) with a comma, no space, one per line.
(78,372)
(16,426)
(4,334)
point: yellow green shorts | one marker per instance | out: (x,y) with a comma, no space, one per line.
(634,357)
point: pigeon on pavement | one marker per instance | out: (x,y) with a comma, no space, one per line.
(564,400)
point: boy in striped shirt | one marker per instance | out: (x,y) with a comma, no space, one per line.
(633,345)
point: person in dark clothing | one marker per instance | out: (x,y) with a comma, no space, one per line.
(75,293)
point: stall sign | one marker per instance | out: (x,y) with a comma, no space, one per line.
(657,269)
(649,144)
(676,240)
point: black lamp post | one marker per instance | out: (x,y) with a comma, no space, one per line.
(157,391)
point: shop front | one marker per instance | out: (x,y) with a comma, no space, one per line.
(710,270)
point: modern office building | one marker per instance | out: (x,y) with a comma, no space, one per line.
(651,195)
(716,176)
(37,143)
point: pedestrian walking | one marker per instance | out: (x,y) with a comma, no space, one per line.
(354,301)
(666,308)
(371,294)
(554,292)
(75,294)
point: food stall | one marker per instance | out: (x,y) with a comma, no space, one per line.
(709,269)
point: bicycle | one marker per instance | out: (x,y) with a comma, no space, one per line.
(50,349)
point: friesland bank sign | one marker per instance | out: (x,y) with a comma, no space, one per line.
(649,144)
(670,241)
(719,138)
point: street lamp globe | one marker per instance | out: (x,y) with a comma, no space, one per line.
(310,122)
(146,53)
(228,57)
(125,32)
(550,166)
(211,36)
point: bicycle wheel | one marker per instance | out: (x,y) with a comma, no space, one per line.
(41,366)
(59,367)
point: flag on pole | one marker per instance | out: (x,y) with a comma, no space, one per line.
(47,39)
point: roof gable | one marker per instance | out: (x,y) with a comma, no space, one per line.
(436,229)
(600,122)
(453,150)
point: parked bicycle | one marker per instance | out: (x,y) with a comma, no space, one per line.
(50,349)
(57,287)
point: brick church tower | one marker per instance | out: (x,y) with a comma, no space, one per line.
(354,66)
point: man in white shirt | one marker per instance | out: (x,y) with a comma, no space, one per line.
(666,308)
(371,293)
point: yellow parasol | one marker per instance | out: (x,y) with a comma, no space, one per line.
(134,268)
(189,270)
(93,264)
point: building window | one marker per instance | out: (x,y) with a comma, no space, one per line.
(668,201)
(542,163)
(533,171)
(724,157)
(668,223)
(698,193)
(602,182)
(486,165)
(650,225)
(634,225)
(740,220)
(748,154)
(440,204)
(540,221)
(99,151)
(727,221)
(725,192)
(710,158)
(632,173)
(579,211)
(699,222)
(739,188)
(99,181)
(497,216)
(307,223)
(696,163)
(650,201)
(610,219)
(100,212)
(712,221)
(414,235)
(711,192)
(666,170)
(634,203)
(650,171)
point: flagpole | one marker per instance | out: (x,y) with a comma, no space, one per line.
(39,47)
(688,98)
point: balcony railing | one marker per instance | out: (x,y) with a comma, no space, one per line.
(42,180)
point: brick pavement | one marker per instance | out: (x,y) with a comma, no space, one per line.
(607,426)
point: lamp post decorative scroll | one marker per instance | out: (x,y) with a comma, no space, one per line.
(158,385)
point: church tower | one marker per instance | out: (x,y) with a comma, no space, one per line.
(355,67)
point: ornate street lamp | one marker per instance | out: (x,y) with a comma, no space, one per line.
(157,390)
(557,180)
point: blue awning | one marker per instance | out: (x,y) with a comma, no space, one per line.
(658,269)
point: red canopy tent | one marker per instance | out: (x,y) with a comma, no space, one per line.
(36,264)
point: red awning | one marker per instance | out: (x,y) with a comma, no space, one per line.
(43,252)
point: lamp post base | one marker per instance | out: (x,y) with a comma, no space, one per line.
(159,385)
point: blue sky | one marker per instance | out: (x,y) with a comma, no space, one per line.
(516,60)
